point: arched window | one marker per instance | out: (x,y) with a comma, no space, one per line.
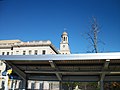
(64,39)
(43,52)
(24,52)
(30,52)
(36,52)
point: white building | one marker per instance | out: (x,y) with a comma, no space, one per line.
(18,47)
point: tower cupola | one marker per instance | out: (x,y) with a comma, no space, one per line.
(64,45)
(64,38)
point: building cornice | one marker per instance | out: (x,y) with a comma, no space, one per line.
(27,44)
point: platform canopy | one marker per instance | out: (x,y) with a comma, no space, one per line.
(72,67)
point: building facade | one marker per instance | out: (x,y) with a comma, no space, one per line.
(18,47)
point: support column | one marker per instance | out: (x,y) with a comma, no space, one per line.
(24,84)
(60,85)
(101,85)
(54,66)
(105,67)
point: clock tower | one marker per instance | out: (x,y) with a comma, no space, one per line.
(64,45)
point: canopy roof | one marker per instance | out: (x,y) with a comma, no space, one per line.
(72,67)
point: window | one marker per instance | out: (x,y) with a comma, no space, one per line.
(11,53)
(3,53)
(35,52)
(43,52)
(11,48)
(63,46)
(7,53)
(64,39)
(17,52)
(24,52)
(30,52)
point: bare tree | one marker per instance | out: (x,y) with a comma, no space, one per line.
(92,36)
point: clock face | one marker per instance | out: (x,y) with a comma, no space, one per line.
(63,46)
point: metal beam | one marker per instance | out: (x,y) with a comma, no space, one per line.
(112,78)
(66,78)
(71,78)
(17,70)
(105,67)
(75,72)
(53,65)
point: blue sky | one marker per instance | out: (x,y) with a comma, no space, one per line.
(29,20)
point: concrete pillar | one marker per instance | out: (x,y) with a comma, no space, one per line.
(101,85)
(6,82)
(29,84)
(60,85)
(10,84)
(46,85)
(17,84)
(14,84)
(37,87)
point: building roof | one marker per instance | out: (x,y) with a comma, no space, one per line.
(9,41)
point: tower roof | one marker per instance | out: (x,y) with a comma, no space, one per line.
(64,33)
